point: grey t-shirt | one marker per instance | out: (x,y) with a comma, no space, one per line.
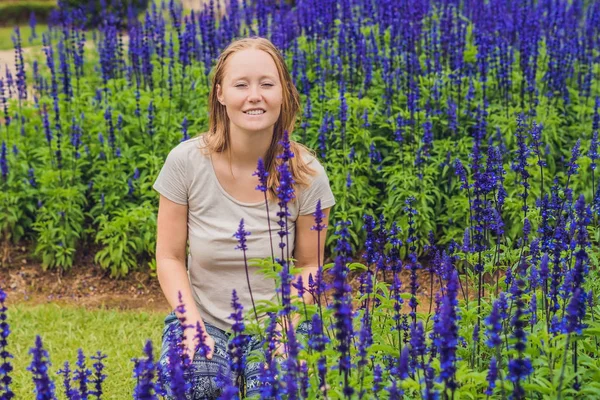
(215,267)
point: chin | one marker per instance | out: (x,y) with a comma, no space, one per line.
(257,127)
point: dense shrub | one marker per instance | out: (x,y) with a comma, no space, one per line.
(94,12)
(13,12)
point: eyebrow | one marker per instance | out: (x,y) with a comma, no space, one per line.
(236,78)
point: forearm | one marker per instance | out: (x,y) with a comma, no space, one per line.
(173,278)
(307,270)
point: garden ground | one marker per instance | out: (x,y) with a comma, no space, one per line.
(85,285)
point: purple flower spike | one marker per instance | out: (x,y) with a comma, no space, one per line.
(3,161)
(44,386)
(5,356)
(262,174)
(70,392)
(145,372)
(203,348)
(492,376)
(319,215)
(81,374)
(237,345)
(241,235)
(286,145)
(446,330)
(98,377)
(494,322)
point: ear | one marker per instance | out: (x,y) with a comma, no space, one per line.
(219,93)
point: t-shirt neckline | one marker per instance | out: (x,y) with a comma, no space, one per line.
(222,189)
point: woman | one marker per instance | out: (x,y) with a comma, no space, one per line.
(207,186)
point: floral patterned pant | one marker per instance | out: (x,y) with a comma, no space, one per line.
(204,378)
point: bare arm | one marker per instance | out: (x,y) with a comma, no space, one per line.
(170,257)
(308,250)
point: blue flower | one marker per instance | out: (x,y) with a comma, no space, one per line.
(262,175)
(40,363)
(241,235)
(98,377)
(5,365)
(366,123)
(285,193)
(81,374)
(286,153)
(494,322)
(239,342)
(184,129)
(69,391)
(446,333)
(492,376)
(3,162)
(593,153)
(145,371)
(417,344)
(319,215)
(572,166)
(270,385)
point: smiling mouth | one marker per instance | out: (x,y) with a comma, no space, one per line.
(254,112)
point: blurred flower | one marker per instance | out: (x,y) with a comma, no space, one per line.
(144,371)
(446,330)
(239,341)
(3,162)
(492,376)
(184,129)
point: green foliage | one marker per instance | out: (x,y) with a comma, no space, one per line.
(59,221)
(392,161)
(93,9)
(17,12)
(126,237)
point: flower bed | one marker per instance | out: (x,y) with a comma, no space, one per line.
(456,144)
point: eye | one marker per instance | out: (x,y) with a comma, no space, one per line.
(268,84)
(240,85)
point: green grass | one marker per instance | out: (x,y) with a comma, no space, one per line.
(64,329)
(6,33)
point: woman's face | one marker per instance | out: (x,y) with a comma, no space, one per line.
(251,91)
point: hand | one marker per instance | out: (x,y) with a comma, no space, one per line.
(281,353)
(279,349)
(191,344)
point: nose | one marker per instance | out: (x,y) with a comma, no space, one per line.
(254,95)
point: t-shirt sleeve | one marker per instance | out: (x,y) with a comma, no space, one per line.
(319,189)
(171,181)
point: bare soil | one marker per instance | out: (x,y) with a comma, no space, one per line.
(86,284)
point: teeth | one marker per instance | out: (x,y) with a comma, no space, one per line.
(255,112)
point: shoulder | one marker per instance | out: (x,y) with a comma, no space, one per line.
(188,150)
(311,161)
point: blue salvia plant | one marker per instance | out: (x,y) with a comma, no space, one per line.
(6,367)
(392,93)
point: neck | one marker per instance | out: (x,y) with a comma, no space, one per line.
(248,147)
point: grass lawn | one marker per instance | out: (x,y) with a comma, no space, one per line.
(6,33)
(64,329)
